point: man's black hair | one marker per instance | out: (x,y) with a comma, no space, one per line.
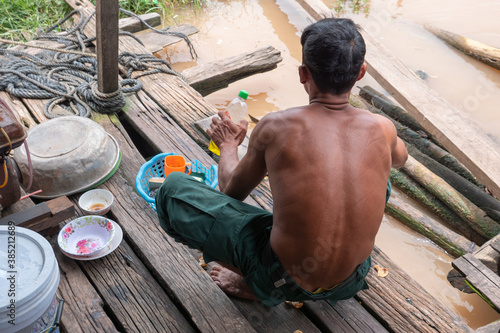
(333,50)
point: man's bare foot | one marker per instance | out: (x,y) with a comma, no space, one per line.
(231,283)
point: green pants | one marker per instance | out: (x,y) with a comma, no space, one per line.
(233,232)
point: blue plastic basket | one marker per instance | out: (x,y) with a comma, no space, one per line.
(154,168)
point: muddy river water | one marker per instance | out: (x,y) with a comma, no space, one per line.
(231,27)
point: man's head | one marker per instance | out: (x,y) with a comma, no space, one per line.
(333,51)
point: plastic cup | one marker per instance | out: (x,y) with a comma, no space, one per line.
(176,163)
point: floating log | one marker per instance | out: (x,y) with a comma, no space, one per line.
(475,217)
(484,53)
(396,112)
(455,244)
(480,198)
(219,74)
(413,189)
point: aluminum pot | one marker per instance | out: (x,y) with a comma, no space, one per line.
(69,155)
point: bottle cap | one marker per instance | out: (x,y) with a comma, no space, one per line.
(243,94)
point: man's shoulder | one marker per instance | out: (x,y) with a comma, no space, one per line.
(281,117)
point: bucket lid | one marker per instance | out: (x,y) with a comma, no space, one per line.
(34,266)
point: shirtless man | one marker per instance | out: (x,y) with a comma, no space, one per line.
(328,165)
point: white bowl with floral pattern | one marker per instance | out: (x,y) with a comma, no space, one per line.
(86,236)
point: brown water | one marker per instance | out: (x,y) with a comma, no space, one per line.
(229,28)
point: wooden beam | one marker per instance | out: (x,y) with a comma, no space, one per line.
(84,309)
(28,216)
(219,74)
(467,142)
(44,216)
(107,45)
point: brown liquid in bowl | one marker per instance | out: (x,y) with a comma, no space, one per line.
(97,206)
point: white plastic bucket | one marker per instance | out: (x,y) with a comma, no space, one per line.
(29,277)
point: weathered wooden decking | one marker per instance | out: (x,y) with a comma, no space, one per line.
(153,284)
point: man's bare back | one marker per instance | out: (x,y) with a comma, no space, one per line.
(328,167)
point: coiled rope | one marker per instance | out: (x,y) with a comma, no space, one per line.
(68,76)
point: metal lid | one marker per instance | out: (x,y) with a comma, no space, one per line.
(69,155)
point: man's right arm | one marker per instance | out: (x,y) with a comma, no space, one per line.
(399,154)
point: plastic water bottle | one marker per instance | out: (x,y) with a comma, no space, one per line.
(236,110)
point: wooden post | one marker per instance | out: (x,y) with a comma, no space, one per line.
(107,45)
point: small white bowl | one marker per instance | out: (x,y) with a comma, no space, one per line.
(96,202)
(86,236)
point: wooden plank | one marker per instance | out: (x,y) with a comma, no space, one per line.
(83,308)
(402,305)
(107,45)
(219,74)
(345,316)
(496,245)
(133,24)
(490,328)
(132,293)
(458,134)
(481,277)
(155,42)
(281,318)
(488,255)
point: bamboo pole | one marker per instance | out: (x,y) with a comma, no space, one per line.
(416,191)
(475,217)
(455,244)
(487,203)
